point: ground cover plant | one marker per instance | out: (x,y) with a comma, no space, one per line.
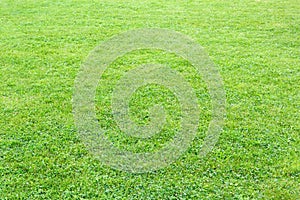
(255,46)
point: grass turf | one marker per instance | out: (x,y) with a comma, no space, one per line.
(255,45)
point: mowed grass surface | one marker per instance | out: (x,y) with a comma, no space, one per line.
(255,45)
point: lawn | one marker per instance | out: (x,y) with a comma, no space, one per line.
(255,45)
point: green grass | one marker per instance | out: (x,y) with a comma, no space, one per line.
(255,45)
